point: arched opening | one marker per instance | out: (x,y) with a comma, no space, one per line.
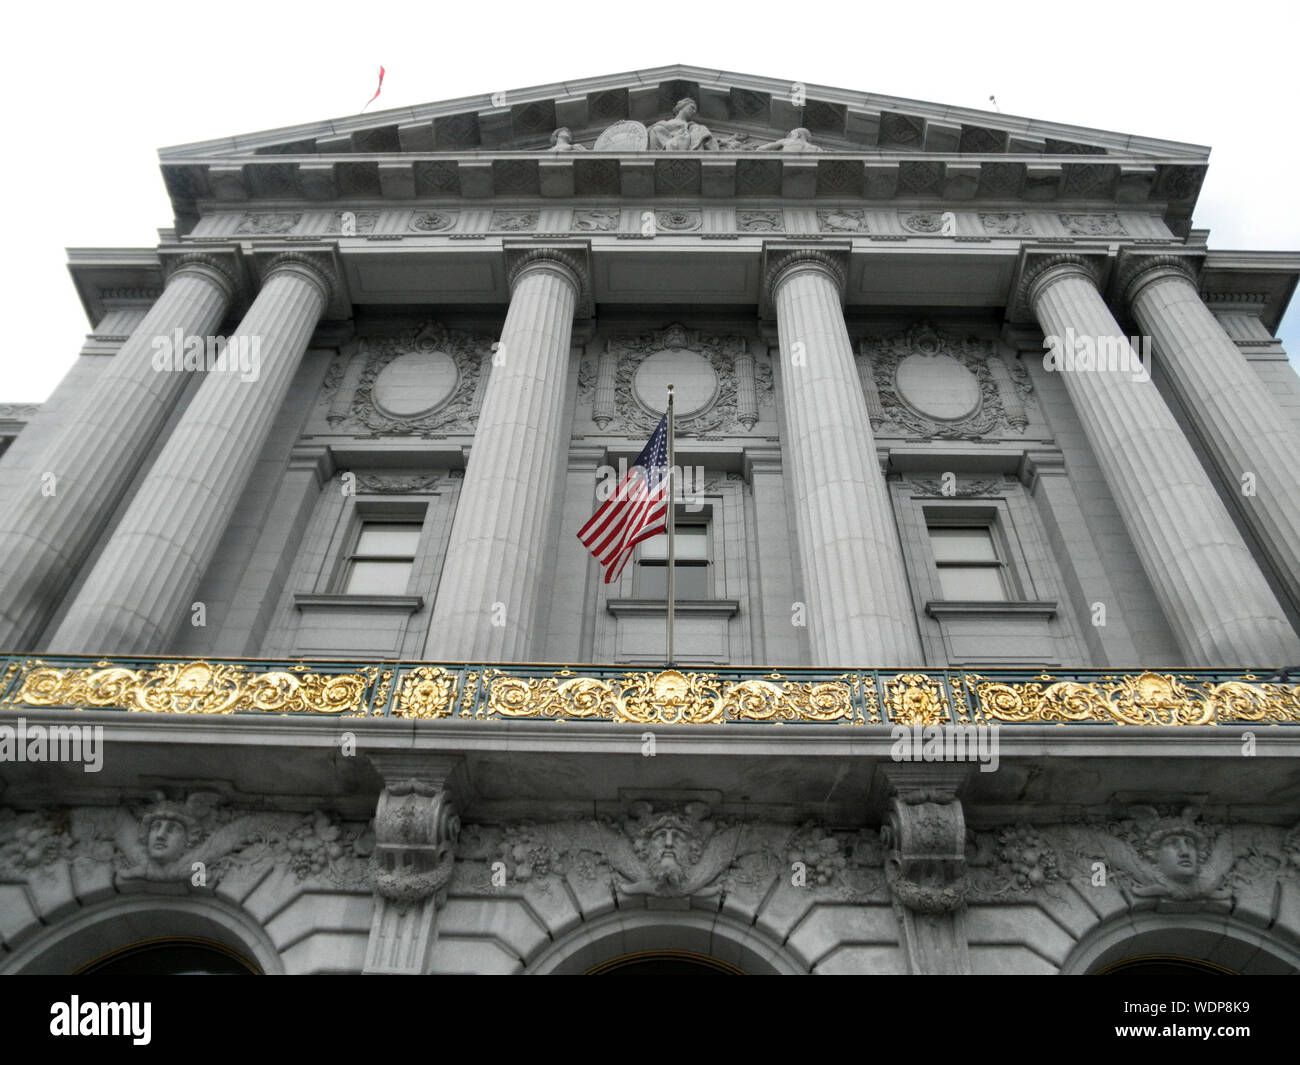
(173,956)
(1183,944)
(149,934)
(640,942)
(664,963)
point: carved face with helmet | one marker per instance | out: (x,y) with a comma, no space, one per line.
(167,830)
(1175,847)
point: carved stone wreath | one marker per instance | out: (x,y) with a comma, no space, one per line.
(728,413)
(1003,388)
(466,350)
(431,221)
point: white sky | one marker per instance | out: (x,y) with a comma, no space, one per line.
(94,90)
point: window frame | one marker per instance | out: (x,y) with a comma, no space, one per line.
(681,517)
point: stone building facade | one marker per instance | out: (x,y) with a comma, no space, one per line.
(989,554)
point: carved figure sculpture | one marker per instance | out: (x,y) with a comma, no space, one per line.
(797,140)
(680,133)
(562,141)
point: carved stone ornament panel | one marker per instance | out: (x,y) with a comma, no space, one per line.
(1006,224)
(268,223)
(1152,853)
(197,843)
(431,221)
(760,221)
(596,220)
(1093,225)
(718,382)
(421,382)
(670,850)
(941,386)
(513,221)
(842,220)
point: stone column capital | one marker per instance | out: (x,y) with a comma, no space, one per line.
(223,267)
(317,264)
(569,261)
(1137,270)
(1040,268)
(781,261)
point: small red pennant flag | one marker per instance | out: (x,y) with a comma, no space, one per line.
(378,89)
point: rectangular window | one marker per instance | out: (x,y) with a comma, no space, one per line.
(691,549)
(968,563)
(384,556)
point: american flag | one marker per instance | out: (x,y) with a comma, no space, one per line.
(636,511)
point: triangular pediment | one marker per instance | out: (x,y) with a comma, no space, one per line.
(740,111)
(744,137)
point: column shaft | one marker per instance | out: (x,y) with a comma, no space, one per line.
(859,610)
(1244,429)
(44,537)
(1217,601)
(487,604)
(141,587)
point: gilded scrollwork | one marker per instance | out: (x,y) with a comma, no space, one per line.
(426,692)
(1136,699)
(916,699)
(669,697)
(196,688)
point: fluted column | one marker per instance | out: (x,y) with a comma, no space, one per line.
(487,598)
(48,526)
(141,587)
(1218,604)
(1244,430)
(859,610)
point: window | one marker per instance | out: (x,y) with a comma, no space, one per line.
(691,549)
(384,556)
(968,563)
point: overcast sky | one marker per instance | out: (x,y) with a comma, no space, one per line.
(95,90)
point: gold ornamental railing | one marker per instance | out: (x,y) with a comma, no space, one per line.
(688,695)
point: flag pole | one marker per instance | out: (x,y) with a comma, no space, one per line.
(672,531)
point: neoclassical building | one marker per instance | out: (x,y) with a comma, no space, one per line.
(987,554)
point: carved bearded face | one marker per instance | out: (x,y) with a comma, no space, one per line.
(1177,858)
(670,849)
(167,838)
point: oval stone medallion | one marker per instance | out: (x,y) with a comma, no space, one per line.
(693,377)
(938,386)
(415,383)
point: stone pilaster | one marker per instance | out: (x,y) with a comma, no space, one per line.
(416,829)
(1249,439)
(487,602)
(925,867)
(1218,604)
(141,587)
(48,527)
(859,610)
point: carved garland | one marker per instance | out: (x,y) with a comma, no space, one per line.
(743,383)
(1004,388)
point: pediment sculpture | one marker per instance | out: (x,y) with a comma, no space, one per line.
(680,133)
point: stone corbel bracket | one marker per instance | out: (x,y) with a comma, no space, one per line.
(925,866)
(416,830)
